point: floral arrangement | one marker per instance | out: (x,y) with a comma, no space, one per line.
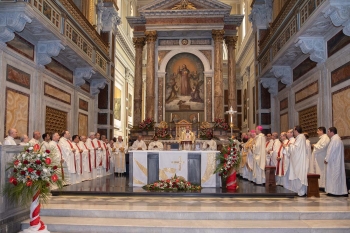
(220,123)
(206,133)
(173,184)
(31,172)
(147,124)
(230,158)
(162,133)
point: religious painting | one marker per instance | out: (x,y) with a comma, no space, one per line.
(341,111)
(83,124)
(130,105)
(117,103)
(17,111)
(184,83)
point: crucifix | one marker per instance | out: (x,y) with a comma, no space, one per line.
(180,162)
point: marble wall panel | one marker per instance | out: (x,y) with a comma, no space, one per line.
(308,120)
(83,124)
(284,104)
(281,86)
(341,74)
(265,118)
(102,131)
(103,98)
(208,55)
(347,154)
(337,42)
(86,87)
(59,69)
(130,105)
(102,118)
(161,55)
(306,92)
(265,98)
(22,46)
(17,111)
(55,120)
(84,105)
(56,93)
(284,122)
(341,111)
(17,76)
(303,68)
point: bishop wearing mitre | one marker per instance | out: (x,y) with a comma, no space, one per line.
(259,151)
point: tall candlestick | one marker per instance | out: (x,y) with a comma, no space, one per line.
(198,118)
(171,117)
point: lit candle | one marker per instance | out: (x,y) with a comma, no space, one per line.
(231,117)
(171,117)
(198,117)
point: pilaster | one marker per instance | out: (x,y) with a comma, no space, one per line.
(139,43)
(151,37)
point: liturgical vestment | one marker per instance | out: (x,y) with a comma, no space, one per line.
(318,155)
(259,159)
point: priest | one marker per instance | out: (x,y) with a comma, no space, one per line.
(298,167)
(259,152)
(93,153)
(280,159)
(335,167)
(319,154)
(99,153)
(46,139)
(55,148)
(286,159)
(155,145)
(87,168)
(272,153)
(78,158)
(10,139)
(68,154)
(139,144)
(119,159)
(106,160)
(35,140)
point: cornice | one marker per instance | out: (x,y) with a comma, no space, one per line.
(127,47)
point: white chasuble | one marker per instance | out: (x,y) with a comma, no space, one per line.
(259,152)
(318,155)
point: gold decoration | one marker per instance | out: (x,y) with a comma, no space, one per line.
(184,5)
(210,168)
(151,36)
(142,168)
(163,125)
(205,125)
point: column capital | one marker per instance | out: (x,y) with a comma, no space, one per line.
(218,35)
(139,42)
(231,40)
(151,36)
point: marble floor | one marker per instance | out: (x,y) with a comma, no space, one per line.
(118,186)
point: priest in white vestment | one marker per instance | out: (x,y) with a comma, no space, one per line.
(308,152)
(155,144)
(99,153)
(111,149)
(286,159)
(272,154)
(319,154)
(45,144)
(10,139)
(87,169)
(93,153)
(269,144)
(119,159)
(209,145)
(335,167)
(78,158)
(68,153)
(250,155)
(106,156)
(56,150)
(280,160)
(35,140)
(24,140)
(299,166)
(259,152)
(139,144)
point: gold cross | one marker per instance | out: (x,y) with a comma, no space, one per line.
(180,162)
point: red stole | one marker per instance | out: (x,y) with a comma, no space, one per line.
(92,143)
(71,146)
(89,157)
(81,159)
(61,163)
(278,162)
(267,143)
(107,157)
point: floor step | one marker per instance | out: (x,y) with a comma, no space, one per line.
(109,225)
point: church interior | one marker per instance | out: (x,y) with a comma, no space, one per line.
(216,69)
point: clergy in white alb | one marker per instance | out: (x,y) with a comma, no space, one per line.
(269,144)
(276,144)
(250,156)
(319,154)
(298,167)
(10,139)
(87,169)
(99,153)
(35,140)
(106,160)
(280,159)
(45,144)
(139,144)
(335,167)
(155,144)
(308,151)
(93,152)
(78,158)
(56,150)
(286,160)
(68,154)
(111,149)
(259,152)
(119,155)
(24,140)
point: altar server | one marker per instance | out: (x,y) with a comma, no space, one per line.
(155,145)
(35,140)
(68,154)
(119,159)
(139,144)
(259,152)
(335,167)
(298,167)
(10,139)
(319,154)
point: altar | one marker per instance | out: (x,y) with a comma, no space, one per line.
(197,167)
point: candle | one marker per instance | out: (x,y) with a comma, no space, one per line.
(171,117)
(231,117)
(198,117)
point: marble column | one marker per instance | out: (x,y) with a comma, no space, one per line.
(232,92)
(139,42)
(218,76)
(151,37)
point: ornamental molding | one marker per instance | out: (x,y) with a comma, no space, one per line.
(11,22)
(48,49)
(261,15)
(271,84)
(339,14)
(97,85)
(283,72)
(107,17)
(126,45)
(315,46)
(82,74)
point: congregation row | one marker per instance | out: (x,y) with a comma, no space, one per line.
(294,157)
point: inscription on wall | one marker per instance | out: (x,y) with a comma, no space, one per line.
(168,42)
(200,41)
(55,120)
(308,120)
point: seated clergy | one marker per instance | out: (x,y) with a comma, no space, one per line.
(139,144)
(209,145)
(10,139)
(155,145)
(24,140)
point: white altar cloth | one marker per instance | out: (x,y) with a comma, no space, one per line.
(174,162)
